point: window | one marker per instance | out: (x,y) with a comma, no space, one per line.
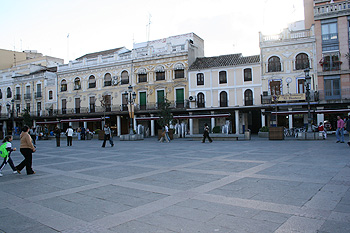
(160,73)
(247,75)
(92,103)
(143,100)
(160,98)
(9,93)
(329,32)
(142,74)
(108,103)
(223,99)
(64,106)
(248,97)
(50,95)
(332,87)
(28,107)
(200,100)
(107,80)
(330,62)
(124,77)
(77,85)
(77,105)
(179,71)
(301,86)
(18,93)
(63,85)
(222,77)
(0,94)
(27,95)
(38,108)
(38,91)
(275,87)
(180,98)
(200,79)
(302,61)
(124,102)
(92,82)
(274,64)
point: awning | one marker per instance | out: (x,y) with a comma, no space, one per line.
(47,122)
(312,111)
(185,117)
(81,120)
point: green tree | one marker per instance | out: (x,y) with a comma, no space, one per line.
(164,114)
(27,119)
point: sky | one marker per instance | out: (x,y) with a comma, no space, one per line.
(69,29)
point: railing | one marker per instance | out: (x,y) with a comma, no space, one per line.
(268,99)
(18,97)
(38,94)
(287,35)
(27,96)
(335,94)
(335,7)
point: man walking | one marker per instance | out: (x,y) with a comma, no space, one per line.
(206,133)
(107,136)
(69,133)
(340,130)
(165,134)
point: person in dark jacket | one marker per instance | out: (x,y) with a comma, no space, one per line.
(57,135)
(206,133)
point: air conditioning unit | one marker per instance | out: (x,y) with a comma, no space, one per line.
(265,93)
(191,98)
(115,77)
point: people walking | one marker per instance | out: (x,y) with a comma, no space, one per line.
(69,134)
(57,136)
(27,148)
(340,130)
(5,152)
(107,136)
(348,128)
(206,133)
(165,134)
(79,133)
(82,133)
(32,133)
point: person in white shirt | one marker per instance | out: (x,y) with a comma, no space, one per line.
(69,134)
(165,134)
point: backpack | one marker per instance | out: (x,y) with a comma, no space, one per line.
(3,151)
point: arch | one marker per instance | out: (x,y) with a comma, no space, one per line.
(92,81)
(222,77)
(247,72)
(200,100)
(179,70)
(200,79)
(223,99)
(63,85)
(8,92)
(107,80)
(124,77)
(248,97)
(302,61)
(142,75)
(77,83)
(160,73)
(274,64)
(0,94)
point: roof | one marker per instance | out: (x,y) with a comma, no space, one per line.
(96,54)
(223,60)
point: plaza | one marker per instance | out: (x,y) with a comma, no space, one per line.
(182,186)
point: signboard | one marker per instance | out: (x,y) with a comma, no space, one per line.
(291,97)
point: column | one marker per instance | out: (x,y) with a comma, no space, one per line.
(135,126)
(243,122)
(85,124)
(212,121)
(263,117)
(191,124)
(119,127)
(152,127)
(237,121)
(4,128)
(290,118)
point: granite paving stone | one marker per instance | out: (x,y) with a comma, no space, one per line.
(183,186)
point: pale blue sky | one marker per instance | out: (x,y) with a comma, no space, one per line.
(227,26)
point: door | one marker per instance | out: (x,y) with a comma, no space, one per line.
(142,100)
(160,97)
(180,98)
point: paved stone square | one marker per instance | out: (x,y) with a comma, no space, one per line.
(182,186)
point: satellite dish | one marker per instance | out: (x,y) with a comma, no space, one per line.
(289,80)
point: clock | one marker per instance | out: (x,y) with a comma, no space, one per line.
(289,80)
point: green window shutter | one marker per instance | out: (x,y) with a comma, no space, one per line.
(160,96)
(142,98)
(180,96)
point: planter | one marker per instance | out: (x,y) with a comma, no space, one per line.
(263,134)
(276,133)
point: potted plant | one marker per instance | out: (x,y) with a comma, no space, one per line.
(263,132)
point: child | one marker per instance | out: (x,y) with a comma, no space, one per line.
(8,147)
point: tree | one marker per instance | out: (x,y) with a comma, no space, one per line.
(27,119)
(164,114)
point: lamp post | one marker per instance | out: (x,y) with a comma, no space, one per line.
(307,85)
(11,112)
(130,97)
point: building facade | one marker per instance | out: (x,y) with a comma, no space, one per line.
(227,84)
(284,57)
(155,70)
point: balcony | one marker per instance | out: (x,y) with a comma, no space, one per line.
(335,94)
(324,11)
(18,97)
(290,98)
(38,95)
(77,87)
(27,96)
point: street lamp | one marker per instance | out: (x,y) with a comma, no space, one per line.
(11,113)
(130,99)
(307,85)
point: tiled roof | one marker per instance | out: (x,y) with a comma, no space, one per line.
(96,54)
(223,60)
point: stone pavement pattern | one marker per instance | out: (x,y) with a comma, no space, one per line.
(182,186)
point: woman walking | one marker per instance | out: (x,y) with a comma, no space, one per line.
(27,148)
(206,133)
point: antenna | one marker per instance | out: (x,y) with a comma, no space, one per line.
(14,55)
(68,47)
(148,26)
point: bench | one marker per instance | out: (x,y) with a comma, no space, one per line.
(218,137)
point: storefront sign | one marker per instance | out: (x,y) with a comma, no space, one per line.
(291,97)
